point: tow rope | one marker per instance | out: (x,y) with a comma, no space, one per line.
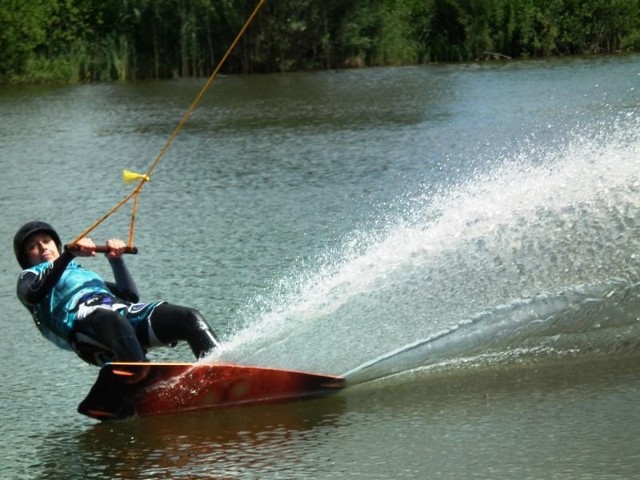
(129,176)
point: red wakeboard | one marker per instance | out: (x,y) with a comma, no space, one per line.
(119,392)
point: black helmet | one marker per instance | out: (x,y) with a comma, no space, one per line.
(25,232)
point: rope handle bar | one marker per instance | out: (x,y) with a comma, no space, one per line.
(102,249)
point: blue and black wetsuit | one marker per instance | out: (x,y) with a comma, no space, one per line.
(76,309)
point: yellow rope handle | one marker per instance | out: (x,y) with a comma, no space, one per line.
(174,134)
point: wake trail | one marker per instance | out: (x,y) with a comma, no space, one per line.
(538,233)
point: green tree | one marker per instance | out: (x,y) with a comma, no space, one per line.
(24,31)
(71,40)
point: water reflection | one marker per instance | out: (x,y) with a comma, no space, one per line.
(215,444)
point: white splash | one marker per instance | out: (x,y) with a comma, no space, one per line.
(535,224)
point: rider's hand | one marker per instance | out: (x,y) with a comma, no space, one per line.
(84,248)
(116,248)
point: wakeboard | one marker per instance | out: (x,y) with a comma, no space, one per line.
(125,390)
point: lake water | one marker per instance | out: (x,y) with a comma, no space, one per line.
(460,241)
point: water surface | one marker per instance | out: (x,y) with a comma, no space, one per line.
(459,241)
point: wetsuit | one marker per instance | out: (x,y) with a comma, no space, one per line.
(101,321)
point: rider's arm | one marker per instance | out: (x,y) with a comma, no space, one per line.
(124,286)
(33,286)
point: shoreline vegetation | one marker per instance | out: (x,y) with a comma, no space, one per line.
(70,41)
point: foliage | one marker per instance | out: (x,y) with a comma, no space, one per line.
(76,40)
